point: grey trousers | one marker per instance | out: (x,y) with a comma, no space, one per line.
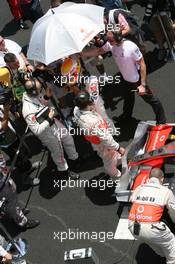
(159,237)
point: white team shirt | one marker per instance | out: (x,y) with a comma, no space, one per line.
(14,48)
(126,57)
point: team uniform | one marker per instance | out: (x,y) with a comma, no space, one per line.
(54,137)
(92,87)
(95,130)
(71,69)
(126,56)
(148,205)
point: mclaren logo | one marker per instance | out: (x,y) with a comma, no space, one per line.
(162,138)
(140,209)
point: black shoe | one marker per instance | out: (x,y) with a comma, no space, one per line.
(75,165)
(73,175)
(31,182)
(22,24)
(63,175)
(26,211)
(161,54)
(122,118)
(36,165)
(31,223)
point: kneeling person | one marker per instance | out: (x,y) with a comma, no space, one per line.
(149,201)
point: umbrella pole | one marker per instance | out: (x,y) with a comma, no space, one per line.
(35,178)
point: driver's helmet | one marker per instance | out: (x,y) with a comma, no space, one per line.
(70,70)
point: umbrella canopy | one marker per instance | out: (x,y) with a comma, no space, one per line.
(59,8)
(61,34)
(87,10)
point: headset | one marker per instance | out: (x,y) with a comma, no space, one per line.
(32,91)
(83,99)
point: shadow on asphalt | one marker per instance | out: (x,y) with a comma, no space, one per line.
(125,133)
(13,229)
(49,186)
(10,29)
(48,179)
(34,144)
(152,63)
(151,256)
(98,192)
(19,179)
(89,158)
(49,176)
(131,3)
(110,92)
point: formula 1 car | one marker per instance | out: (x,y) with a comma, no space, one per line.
(153,146)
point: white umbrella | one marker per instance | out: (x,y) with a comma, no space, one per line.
(64,33)
(87,10)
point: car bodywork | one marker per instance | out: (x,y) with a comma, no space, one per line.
(153,146)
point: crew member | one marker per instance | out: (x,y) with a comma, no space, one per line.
(95,130)
(149,201)
(52,133)
(71,71)
(132,67)
(10,46)
(128,25)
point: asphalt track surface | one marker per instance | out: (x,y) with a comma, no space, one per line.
(87,209)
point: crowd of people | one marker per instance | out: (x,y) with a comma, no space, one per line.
(34,94)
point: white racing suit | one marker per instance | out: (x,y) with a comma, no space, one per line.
(54,137)
(95,129)
(149,201)
(92,87)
